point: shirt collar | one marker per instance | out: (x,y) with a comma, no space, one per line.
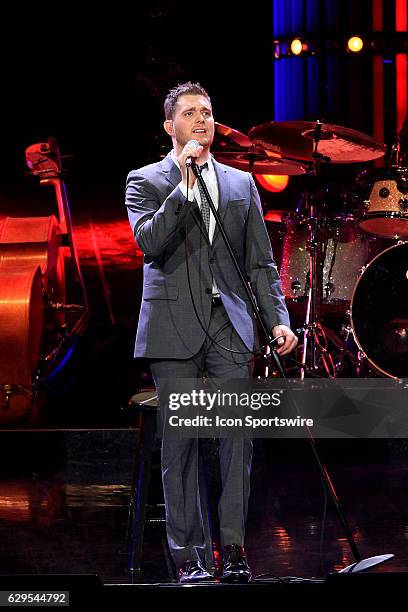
(175,160)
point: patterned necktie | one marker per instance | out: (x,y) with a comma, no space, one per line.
(205,207)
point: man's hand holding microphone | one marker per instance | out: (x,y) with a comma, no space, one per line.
(192,150)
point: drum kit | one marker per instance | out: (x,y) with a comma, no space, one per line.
(344,251)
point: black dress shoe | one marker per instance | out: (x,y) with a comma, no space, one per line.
(235,568)
(193,571)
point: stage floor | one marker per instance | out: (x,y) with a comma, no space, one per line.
(64,501)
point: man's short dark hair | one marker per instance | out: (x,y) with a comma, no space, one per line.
(189,88)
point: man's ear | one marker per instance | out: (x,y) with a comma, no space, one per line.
(169,127)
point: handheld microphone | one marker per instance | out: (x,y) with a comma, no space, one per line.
(190,160)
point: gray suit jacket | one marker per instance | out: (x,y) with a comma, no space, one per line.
(170,232)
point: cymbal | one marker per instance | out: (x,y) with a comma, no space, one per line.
(295,139)
(258,162)
(226,136)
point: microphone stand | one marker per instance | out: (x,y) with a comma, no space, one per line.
(360,563)
(248,290)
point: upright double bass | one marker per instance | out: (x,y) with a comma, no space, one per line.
(43,301)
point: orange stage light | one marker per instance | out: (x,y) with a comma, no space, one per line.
(272,182)
(296,46)
(355,44)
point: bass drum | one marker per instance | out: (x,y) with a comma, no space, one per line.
(379,312)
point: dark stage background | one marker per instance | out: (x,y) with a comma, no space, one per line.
(97,82)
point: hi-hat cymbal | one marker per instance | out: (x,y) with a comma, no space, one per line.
(258,162)
(295,139)
(226,137)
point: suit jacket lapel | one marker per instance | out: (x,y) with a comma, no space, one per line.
(223,192)
(171,171)
(173,176)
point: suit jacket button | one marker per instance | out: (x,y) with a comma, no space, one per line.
(208,290)
(212,260)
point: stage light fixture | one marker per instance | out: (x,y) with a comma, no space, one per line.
(355,44)
(272,182)
(296,46)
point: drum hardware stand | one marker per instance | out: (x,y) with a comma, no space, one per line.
(341,345)
(359,563)
(315,334)
(393,155)
(347,332)
(313,327)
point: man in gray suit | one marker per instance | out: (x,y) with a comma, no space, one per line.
(195,316)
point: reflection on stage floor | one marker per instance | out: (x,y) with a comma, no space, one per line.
(64,499)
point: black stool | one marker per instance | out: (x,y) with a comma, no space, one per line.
(146,405)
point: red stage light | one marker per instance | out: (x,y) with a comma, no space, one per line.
(401,15)
(272,182)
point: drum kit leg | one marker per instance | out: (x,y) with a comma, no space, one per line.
(344,269)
